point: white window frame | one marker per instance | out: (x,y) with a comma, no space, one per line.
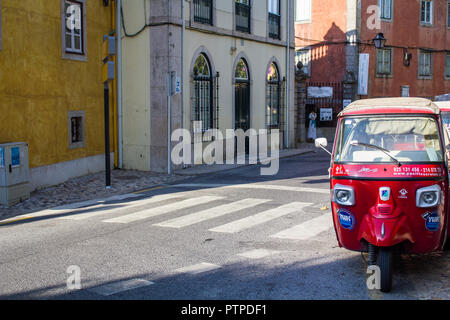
(447,66)
(448,14)
(421,65)
(383,6)
(383,52)
(426,22)
(307,16)
(69,52)
(307,52)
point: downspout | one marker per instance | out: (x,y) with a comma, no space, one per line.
(183,23)
(288,25)
(119,80)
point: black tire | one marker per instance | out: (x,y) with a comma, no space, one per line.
(447,245)
(384,262)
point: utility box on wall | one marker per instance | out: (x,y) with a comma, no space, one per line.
(14,173)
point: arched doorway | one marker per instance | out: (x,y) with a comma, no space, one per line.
(273,95)
(242,96)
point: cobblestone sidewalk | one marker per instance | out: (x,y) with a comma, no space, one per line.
(87,188)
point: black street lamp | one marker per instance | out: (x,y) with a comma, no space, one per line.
(379,41)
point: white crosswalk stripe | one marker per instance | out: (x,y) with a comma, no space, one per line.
(211,213)
(198,268)
(121,207)
(261,217)
(308,229)
(254,186)
(148,213)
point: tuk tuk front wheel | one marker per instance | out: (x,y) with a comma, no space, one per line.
(384,262)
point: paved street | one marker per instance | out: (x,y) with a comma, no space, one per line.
(230,235)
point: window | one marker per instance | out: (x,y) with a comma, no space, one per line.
(447,65)
(448,14)
(303,10)
(304,56)
(274,19)
(273,95)
(76,129)
(384,61)
(425,63)
(426,11)
(74,29)
(203,91)
(385,9)
(243,14)
(203,11)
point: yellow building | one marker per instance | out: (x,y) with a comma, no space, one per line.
(51,90)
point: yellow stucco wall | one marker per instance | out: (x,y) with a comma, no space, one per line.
(38,87)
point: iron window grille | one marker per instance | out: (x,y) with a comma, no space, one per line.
(243,15)
(203,11)
(274,25)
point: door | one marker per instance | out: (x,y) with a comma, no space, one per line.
(242,105)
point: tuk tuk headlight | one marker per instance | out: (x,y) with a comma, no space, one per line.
(428,197)
(343,195)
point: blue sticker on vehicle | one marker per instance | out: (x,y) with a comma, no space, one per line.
(346,219)
(432,220)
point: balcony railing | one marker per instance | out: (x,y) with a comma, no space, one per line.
(203,11)
(242,17)
(274,26)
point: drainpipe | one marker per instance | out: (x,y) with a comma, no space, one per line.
(119,80)
(183,23)
(288,25)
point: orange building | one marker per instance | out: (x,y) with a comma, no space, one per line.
(334,40)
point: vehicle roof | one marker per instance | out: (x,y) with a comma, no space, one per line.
(390,105)
(443,105)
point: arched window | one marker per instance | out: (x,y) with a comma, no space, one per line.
(273,95)
(242,96)
(203,92)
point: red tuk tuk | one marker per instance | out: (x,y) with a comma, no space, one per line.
(389,180)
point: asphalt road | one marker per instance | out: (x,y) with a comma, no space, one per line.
(232,235)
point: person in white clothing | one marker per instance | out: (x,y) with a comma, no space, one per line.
(312,126)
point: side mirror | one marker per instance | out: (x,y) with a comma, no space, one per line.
(321,142)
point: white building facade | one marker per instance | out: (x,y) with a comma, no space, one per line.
(233,61)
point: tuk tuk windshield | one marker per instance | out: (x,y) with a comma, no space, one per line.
(404,139)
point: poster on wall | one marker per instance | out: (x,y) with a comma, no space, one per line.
(363,74)
(2,157)
(326,114)
(15,156)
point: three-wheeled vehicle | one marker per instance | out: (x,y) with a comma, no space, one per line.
(445,112)
(389,180)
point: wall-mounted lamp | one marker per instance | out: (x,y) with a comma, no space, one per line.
(379,41)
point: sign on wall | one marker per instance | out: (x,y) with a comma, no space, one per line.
(326,114)
(320,92)
(363,74)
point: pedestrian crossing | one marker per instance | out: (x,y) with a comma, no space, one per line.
(221,214)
